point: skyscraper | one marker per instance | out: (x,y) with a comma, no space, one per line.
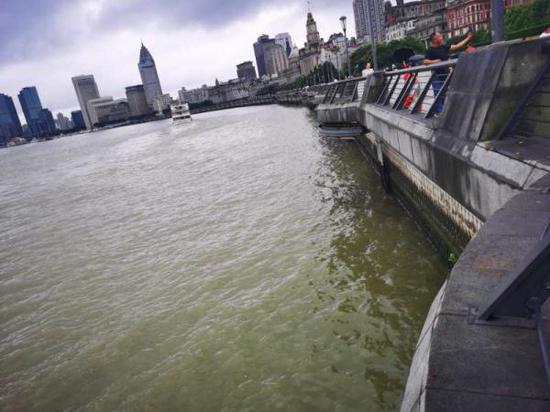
(86,89)
(259,52)
(78,119)
(10,126)
(275,58)
(361,10)
(149,75)
(31,105)
(63,122)
(46,124)
(285,41)
(136,101)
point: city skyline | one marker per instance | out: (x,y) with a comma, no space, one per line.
(210,46)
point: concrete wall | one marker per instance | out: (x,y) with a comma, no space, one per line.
(488,86)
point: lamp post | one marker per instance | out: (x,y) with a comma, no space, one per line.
(497,18)
(372,35)
(343,21)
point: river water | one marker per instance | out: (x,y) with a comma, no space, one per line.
(237,263)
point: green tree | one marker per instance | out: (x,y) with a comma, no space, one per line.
(527,20)
(363,55)
(481,37)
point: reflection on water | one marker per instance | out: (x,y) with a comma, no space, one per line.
(378,280)
(240,262)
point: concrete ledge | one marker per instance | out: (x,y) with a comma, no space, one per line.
(459,365)
(480,179)
(346,113)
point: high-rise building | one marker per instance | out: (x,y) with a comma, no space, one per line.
(78,119)
(10,126)
(259,52)
(275,59)
(361,11)
(246,71)
(285,41)
(137,101)
(86,90)
(63,122)
(46,123)
(149,75)
(31,105)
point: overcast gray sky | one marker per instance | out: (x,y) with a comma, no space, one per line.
(46,42)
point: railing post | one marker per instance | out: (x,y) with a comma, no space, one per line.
(418,103)
(388,97)
(405,91)
(384,89)
(439,96)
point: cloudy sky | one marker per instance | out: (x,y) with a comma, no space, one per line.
(46,42)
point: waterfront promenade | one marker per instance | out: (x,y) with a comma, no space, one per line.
(477,178)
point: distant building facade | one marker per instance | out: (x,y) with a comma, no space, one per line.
(399,30)
(91,108)
(193,96)
(246,71)
(86,90)
(10,125)
(361,11)
(162,103)
(426,25)
(149,75)
(137,102)
(224,92)
(113,111)
(310,53)
(476,14)
(78,119)
(411,10)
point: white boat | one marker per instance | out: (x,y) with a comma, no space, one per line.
(180,112)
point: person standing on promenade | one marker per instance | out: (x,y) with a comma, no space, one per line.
(368,70)
(439,52)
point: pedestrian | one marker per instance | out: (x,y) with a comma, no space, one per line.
(367,71)
(437,53)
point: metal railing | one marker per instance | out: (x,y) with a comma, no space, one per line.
(418,90)
(345,91)
(409,89)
